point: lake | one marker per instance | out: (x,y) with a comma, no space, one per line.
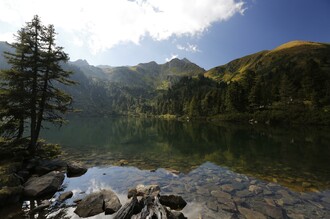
(290,165)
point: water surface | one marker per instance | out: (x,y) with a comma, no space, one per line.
(290,156)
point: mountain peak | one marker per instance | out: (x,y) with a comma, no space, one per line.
(186,60)
(296,43)
(81,62)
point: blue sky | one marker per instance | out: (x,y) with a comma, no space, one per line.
(207,32)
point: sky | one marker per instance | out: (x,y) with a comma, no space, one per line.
(207,32)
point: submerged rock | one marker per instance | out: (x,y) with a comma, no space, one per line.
(98,202)
(75,169)
(64,196)
(48,184)
(173,201)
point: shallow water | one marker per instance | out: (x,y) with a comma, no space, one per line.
(290,167)
(289,156)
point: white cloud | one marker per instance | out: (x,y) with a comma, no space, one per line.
(173,56)
(105,23)
(9,37)
(189,48)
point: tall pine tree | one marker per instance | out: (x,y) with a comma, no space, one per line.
(35,76)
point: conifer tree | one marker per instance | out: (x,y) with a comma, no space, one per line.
(34,78)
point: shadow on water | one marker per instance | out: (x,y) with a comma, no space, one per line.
(295,157)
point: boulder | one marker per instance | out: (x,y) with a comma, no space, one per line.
(150,190)
(172,201)
(98,202)
(48,184)
(10,195)
(64,196)
(47,166)
(75,169)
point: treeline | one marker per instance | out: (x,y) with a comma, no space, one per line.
(279,94)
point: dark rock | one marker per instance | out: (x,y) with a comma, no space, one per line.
(10,195)
(47,166)
(98,202)
(43,205)
(48,184)
(64,196)
(75,169)
(173,201)
(24,174)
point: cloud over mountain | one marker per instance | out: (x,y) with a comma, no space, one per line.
(103,24)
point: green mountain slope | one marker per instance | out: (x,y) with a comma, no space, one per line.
(295,57)
(288,84)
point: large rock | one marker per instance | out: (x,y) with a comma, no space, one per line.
(47,166)
(173,201)
(10,195)
(150,190)
(75,169)
(98,202)
(48,184)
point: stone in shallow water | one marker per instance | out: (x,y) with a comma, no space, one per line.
(227,188)
(212,206)
(255,189)
(220,194)
(271,211)
(64,196)
(75,169)
(44,185)
(243,193)
(250,214)
(173,201)
(98,202)
(202,190)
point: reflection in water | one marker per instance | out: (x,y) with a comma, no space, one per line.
(289,156)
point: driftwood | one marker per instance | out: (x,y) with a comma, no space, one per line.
(129,209)
(148,205)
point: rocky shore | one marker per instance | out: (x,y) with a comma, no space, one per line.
(209,191)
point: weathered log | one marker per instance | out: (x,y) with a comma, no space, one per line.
(127,211)
(152,209)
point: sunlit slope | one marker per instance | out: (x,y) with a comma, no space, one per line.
(295,57)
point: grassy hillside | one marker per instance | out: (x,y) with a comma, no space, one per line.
(294,57)
(290,84)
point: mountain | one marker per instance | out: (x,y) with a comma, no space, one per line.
(290,83)
(4,47)
(295,57)
(153,75)
(89,70)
